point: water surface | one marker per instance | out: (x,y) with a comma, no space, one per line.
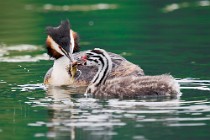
(160,36)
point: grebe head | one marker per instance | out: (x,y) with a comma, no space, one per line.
(61,41)
(101,59)
(96,57)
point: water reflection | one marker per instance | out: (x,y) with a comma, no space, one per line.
(175,42)
(98,119)
(71,114)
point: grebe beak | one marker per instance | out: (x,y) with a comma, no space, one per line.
(80,61)
(67,54)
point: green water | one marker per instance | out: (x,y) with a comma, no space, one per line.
(161,36)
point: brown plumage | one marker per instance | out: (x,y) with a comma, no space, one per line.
(121,68)
(132,86)
(58,75)
(128,85)
(50,51)
(125,79)
(53,53)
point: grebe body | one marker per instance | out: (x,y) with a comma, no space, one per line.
(59,75)
(125,86)
(63,45)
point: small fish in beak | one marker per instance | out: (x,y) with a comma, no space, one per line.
(73,71)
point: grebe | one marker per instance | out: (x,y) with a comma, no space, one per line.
(63,45)
(127,86)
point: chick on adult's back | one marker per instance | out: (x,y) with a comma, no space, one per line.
(63,45)
(132,86)
(127,86)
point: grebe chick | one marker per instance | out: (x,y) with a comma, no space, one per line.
(63,45)
(128,86)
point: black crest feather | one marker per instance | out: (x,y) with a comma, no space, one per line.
(60,34)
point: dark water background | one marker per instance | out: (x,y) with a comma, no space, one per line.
(161,36)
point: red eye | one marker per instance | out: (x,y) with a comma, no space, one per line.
(84,57)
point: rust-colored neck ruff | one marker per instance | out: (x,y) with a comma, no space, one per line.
(52,46)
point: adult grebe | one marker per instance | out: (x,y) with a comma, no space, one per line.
(127,86)
(61,43)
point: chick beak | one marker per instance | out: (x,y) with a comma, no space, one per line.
(83,60)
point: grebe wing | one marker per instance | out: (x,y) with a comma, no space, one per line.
(122,67)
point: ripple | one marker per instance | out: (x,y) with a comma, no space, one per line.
(139,138)
(132,103)
(176,6)
(186,124)
(3,82)
(102,117)
(27,87)
(51,135)
(24,58)
(14,53)
(72,8)
(198,88)
(104,133)
(34,124)
(193,83)
(187,119)
(20,48)
(39,135)
(93,7)
(193,80)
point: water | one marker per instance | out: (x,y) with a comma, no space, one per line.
(159,35)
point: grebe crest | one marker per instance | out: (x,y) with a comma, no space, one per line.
(61,41)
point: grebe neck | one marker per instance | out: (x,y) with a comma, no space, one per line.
(60,75)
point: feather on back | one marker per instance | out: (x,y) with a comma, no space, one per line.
(132,86)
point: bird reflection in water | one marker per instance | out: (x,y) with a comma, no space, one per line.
(71,114)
